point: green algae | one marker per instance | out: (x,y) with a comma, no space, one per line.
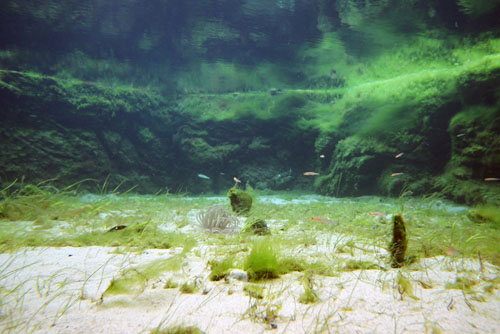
(240,201)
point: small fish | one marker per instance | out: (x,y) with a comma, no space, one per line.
(221,173)
(236,179)
(311,173)
(203,176)
(322,220)
(377,214)
(322,156)
(396,174)
(460,135)
(399,155)
(492,178)
(117,228)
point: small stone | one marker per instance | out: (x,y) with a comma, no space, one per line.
(239,275)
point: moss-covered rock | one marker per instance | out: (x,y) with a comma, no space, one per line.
(399,242)
(256,226)
(485,214)
(241,202)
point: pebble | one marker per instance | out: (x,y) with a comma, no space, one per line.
(239,275)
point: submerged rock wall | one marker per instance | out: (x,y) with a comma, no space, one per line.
(73,130)
(439,141)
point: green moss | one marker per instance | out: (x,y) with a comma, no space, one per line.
(241,202)
(288,106)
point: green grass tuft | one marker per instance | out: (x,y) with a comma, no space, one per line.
(262,262)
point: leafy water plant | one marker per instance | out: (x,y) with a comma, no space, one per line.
(216,219)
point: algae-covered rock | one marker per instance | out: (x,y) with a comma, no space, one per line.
(399,242)
(256,226)
(485,214)
(241,202)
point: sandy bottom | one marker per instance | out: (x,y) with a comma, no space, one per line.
(60,290)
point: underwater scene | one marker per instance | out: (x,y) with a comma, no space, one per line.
(249,166)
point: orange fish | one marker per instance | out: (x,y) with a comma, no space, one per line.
(377,214)
(399,155)
(322,220)
(311,173)
(236,179)
(396,174)
(492,179)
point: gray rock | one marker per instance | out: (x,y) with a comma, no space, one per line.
(239,275)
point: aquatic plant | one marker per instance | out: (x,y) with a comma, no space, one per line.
(485,214)
(399,242)
(254,291)
(216,219)
(262,262)
(170,284)
(405,287)
(188,287)
(309,296)
(476,8)
(220,269)
(352,265)
(180,329)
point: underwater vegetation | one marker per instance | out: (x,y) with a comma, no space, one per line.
(178,330)
(241,202)
(256,226)
(136,106)
(399,243)
(262,261)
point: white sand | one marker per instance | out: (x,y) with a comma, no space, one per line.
(58,290)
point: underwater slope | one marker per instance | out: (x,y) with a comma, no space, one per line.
(444,119)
